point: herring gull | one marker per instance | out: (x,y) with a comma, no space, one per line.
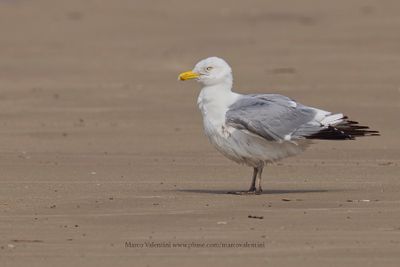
(257,129)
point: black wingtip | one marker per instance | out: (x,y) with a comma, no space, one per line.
(345,130)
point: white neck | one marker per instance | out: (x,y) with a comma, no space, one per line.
(214,101)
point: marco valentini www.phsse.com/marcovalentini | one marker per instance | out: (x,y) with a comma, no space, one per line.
(130,244)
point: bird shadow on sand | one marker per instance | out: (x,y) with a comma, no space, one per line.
(264,192)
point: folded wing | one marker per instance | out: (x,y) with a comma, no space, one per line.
(277,118)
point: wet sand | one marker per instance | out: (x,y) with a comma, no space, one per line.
(102,149)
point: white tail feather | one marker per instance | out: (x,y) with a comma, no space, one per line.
(332,119)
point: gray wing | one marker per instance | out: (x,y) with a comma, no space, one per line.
(271,116)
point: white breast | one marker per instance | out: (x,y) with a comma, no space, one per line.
(213,103)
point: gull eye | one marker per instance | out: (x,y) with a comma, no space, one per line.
(209,68)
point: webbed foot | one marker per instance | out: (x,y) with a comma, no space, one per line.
(251,191)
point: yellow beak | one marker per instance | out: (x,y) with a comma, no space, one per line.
(188,75)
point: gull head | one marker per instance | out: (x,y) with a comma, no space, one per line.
(210,71)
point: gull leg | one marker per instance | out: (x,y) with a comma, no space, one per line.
(253,188)
(253,181)
(258,187)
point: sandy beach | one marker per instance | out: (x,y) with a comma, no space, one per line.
(103,160)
